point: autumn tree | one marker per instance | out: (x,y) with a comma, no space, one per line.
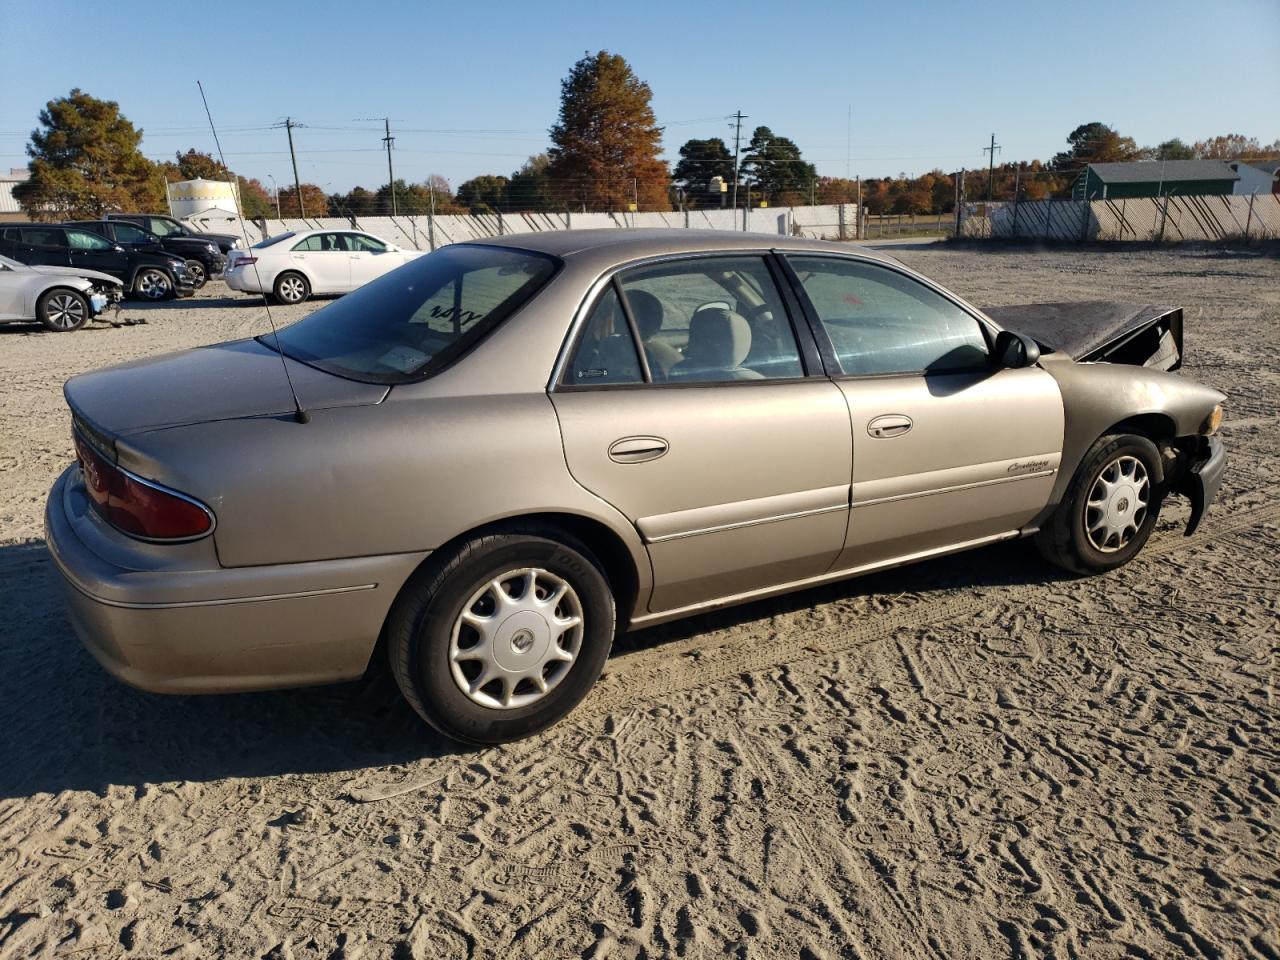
(1235,146)
(530,187)
(85,161)
(775,168)
(700,162)
(606,142)
(1173,149)
(483,194)
(1094,143)
(315,203)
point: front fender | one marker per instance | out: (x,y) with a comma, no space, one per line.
(1098,396)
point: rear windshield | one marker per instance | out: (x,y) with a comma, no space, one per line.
(417,319)
(272,240)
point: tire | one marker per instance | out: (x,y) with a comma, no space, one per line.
(152,283)
(199,276)
(291,288)
(62,310)
(428,639)
(1093,530)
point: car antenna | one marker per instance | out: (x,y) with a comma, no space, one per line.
(299,414)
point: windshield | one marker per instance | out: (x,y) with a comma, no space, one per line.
(262,244)
(417,319)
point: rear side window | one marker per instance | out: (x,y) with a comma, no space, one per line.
(880,321)
(606,352)
(43,237)
(83,240)
(419,318)
(322,243)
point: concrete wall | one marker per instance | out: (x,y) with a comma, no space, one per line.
(420,232)
(1147,219)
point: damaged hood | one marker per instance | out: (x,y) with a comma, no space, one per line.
(1140,334)
(75,272)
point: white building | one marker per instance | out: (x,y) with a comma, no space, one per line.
(9,209)
(1258,176)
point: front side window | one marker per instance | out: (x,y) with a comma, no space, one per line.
(881,321)
(358,241)
(83,240)
(166,228)
(128,233)
(416,320)
(706,320)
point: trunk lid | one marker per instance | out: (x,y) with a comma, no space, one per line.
(1139,334)
(226,381)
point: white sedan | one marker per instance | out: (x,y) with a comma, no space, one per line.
(295,265)
(61,298)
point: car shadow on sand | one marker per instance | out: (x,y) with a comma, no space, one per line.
(67,725)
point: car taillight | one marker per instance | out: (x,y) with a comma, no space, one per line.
(135,506)
(243,261)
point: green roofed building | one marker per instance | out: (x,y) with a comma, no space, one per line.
(1155,178)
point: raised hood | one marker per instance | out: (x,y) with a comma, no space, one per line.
(227,381)
(1139,334)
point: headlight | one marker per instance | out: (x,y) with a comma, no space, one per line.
(1212,422)
(211,247)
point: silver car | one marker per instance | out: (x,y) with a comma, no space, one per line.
(500,455)
(63,299)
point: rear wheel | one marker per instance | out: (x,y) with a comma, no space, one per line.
(62,310)
(504,636)
(153,284)
(1109,509)
(196,271)
(291,288)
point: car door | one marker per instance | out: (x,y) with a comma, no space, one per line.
(92,251)
(323,258)
(711,438)
(42,246)
(948,449)
(370,258)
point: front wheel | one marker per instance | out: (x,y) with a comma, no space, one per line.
(502,638)
(196,271)
(291,288)
(153,284)
(62,310)
(1109,509)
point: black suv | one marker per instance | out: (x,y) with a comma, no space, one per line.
(166,227)
(204,259)
(146,274)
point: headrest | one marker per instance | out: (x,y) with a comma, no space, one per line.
(718,338)
(647,310)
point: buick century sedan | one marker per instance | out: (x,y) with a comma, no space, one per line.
(498,456)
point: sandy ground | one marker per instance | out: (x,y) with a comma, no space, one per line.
(974,757)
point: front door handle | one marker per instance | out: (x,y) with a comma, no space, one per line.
(890,425)
(637,449)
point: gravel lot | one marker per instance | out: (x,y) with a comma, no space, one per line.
(974,757)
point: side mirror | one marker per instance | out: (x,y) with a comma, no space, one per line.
(1013,350)
(117,248)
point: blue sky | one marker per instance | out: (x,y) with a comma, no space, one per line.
(472,87)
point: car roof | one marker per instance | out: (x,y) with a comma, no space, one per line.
(630,243)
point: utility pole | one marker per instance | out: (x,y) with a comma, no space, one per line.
(737,139)
(288,125)
(391,177)
(991,168)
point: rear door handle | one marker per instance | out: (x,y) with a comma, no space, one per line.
(637,449)
(890,425)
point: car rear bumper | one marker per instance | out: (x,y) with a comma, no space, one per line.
(242,280)
(208,629)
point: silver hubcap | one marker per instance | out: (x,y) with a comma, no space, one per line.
(65,311)
(1117,504)
(516,639)
(291,289)
(153,285)
(196,270)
